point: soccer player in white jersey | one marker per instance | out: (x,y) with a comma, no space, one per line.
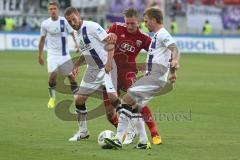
(92,40)
(162,62)
(55,29)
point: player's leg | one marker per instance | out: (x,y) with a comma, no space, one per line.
(127,116)
(110,110)
(138,95)
(51,89)
(52,70)
(88,85)
(149,120)
(65,68)
(111,96)
(73,83)
(81,112)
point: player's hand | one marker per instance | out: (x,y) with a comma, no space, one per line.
(76,48)
(108,67)
(174,65)
(40,61)
(112,38)
(173,77)
(75,70)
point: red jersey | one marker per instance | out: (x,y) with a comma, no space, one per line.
(128,47)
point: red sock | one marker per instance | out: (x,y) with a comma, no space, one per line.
(107,103)
(149,120)
(115,120)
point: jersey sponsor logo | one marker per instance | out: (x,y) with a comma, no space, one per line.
(127,47)
(99,30)
(83,46)
(138,43)
(165,41)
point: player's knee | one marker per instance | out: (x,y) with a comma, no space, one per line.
(110,116)
(74,87)
(79,99)
(53,77)
(115,103)
(71,78)
(52,84)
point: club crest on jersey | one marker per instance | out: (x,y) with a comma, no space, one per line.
(138,43)
(122,35)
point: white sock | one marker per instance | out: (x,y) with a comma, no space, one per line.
(82,121)
(123,121)
(140,128)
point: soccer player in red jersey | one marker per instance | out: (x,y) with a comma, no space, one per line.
(130,41)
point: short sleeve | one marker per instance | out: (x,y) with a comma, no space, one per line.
(166,39)
(99,32)
(43,30)
(112,29)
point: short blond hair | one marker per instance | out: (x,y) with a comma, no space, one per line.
(68,11)
(130,12)
(54,3)
(154,13)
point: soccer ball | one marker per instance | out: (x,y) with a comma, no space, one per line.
(105,134)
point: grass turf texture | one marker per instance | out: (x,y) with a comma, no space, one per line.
(207,85)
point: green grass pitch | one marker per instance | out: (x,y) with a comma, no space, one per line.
(199,120)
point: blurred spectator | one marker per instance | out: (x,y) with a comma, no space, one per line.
(30,6)
(9,24)
(116,6)
(177,8)
(154,3)
(207,28)
(26,27)
(208,2)
(238,28)
(143,27)
(174,27)
(2,22)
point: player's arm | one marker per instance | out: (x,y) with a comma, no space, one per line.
(174,64)
(147,43)
(109,39)
(110,45)
(76,65)
(75,42)
(43,33)
(40,50)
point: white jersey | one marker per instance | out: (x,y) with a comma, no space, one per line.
(56,32)
(90,40)
(158,51)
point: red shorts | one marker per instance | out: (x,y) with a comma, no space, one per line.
(125,80)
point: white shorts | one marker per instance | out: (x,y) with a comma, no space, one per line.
(94,79)
(59,63)
(149,86)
